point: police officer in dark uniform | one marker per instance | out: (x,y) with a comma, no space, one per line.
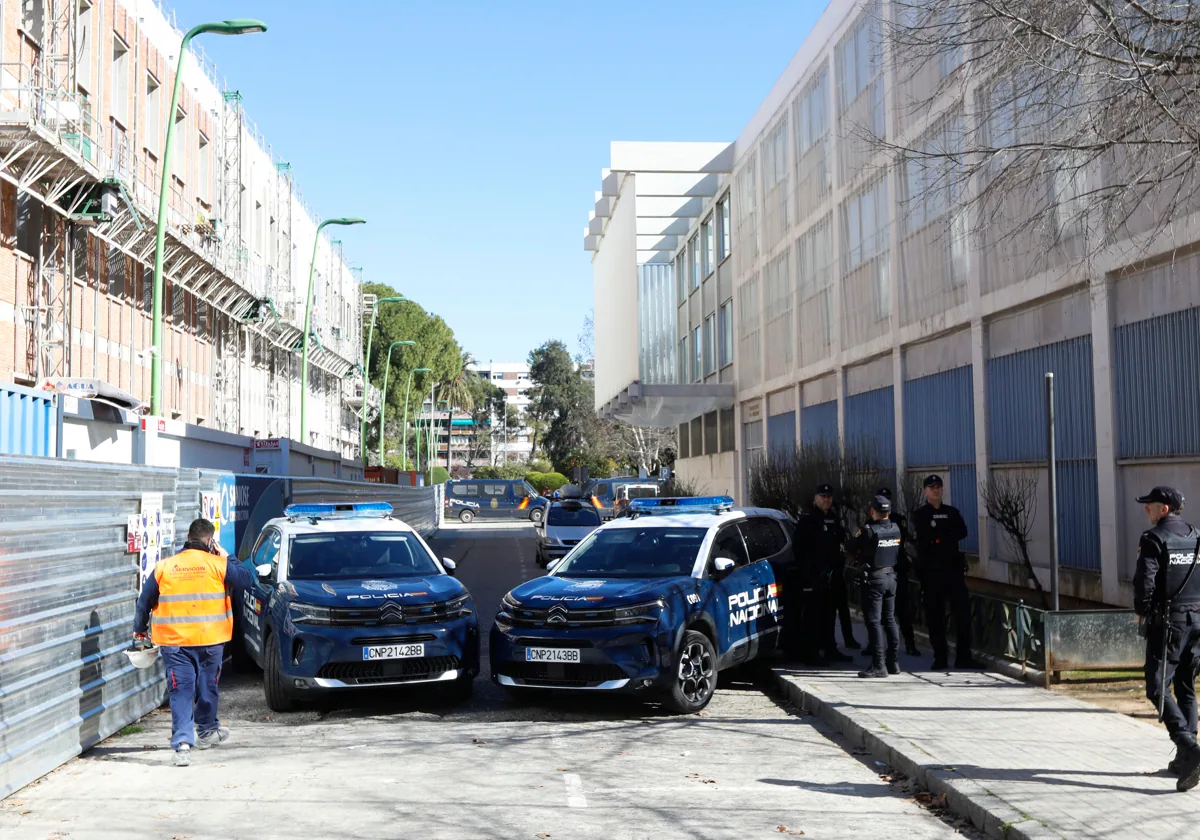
(818,554)
(939,527)
(875,550)
(1166,597)
(904,573)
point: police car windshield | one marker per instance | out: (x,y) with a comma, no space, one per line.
(572,517)
(635,553)
(352,555)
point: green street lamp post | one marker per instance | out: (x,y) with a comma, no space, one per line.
(312,268)
(404,432)
(429,431)
(362,449)
(387,369)
(221,27)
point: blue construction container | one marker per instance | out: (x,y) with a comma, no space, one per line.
(27,421)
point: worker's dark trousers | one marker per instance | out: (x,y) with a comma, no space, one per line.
(192,677)
(1179,708)
(942,587)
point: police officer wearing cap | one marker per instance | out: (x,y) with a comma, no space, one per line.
(904,573)
(1166,597)
(876,551)
(939,528)
(818,557)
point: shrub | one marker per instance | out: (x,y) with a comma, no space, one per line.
(546,482)
(440,476)
(597,466)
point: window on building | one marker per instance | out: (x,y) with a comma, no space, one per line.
(710,433)
(727,430)
(179,147)
(178,305)
(121,61)
(814,170)
(710,360)
(693,253)
(33,18)
(29,224)
(725,333)
(683,440)
(683,361)
(152,128)
(116,272)
(707,247)
(697,436)
(681,276)
(204,170)
(697,355)
(865,238)
(724,242)
(83,45)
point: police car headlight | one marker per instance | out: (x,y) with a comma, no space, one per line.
(509,601)
(459,607)
(309,614)
(638,613)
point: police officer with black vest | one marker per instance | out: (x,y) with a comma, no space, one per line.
(875,551)
(939,527)
(904,572)
(818,554)
(1166,597)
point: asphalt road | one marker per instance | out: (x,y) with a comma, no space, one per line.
(385,765)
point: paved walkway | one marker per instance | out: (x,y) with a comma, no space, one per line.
(1020,761)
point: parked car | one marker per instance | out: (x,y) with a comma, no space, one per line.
(567,523)
(655,604)
(345,596)
(604,492)
(628,492)
(494,498)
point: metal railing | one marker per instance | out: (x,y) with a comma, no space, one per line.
(1049,641)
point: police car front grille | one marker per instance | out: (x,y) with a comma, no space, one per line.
(390,614)
(562,675)
(571,618)
(537,641)
(393,640)
(388,670)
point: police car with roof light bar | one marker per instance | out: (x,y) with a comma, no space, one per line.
(346,597)
(657,602)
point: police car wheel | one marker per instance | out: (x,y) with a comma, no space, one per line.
(695,675)
(536,516)
(466,516)
(279,698)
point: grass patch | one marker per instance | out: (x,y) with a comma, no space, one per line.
(132,729)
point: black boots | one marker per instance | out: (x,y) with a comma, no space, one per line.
(874,672)
(893,668)
(1188,761)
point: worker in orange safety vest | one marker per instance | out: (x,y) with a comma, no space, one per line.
(186,603)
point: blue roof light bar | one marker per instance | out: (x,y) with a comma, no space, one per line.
(338,510)
(688,504)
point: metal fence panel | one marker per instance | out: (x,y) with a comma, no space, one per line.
(819,422)
(1146,356)
(1089,640)
(1017,405)
(67,591)
(27,419)
(871,420)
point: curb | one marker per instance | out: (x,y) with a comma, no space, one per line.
(965,796)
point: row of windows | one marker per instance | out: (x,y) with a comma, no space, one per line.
(709,434)
(711,346)
(707,249)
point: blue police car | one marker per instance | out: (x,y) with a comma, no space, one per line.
(657,602)
(346,597)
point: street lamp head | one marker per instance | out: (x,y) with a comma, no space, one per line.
(421,370)
(397,299)
(395,344)
(345,220)
(241,26)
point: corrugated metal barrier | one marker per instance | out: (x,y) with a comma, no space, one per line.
(871,421)
(819,422)
(68,589)
(27,419)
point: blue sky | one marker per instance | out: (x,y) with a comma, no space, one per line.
(471,135)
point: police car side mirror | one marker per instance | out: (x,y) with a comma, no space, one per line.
(264,570)
(722,565)
(553,564)
(449,565)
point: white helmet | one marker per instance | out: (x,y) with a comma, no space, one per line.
(143,658)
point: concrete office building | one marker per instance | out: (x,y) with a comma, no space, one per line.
(84,90)
(512,378)
(780,289)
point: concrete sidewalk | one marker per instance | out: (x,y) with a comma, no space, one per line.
(1020,761)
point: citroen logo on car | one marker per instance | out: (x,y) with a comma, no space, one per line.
(558,614)
(391,612)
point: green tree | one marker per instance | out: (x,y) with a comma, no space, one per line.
(435,348)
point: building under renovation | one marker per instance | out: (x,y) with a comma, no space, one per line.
(84,90)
